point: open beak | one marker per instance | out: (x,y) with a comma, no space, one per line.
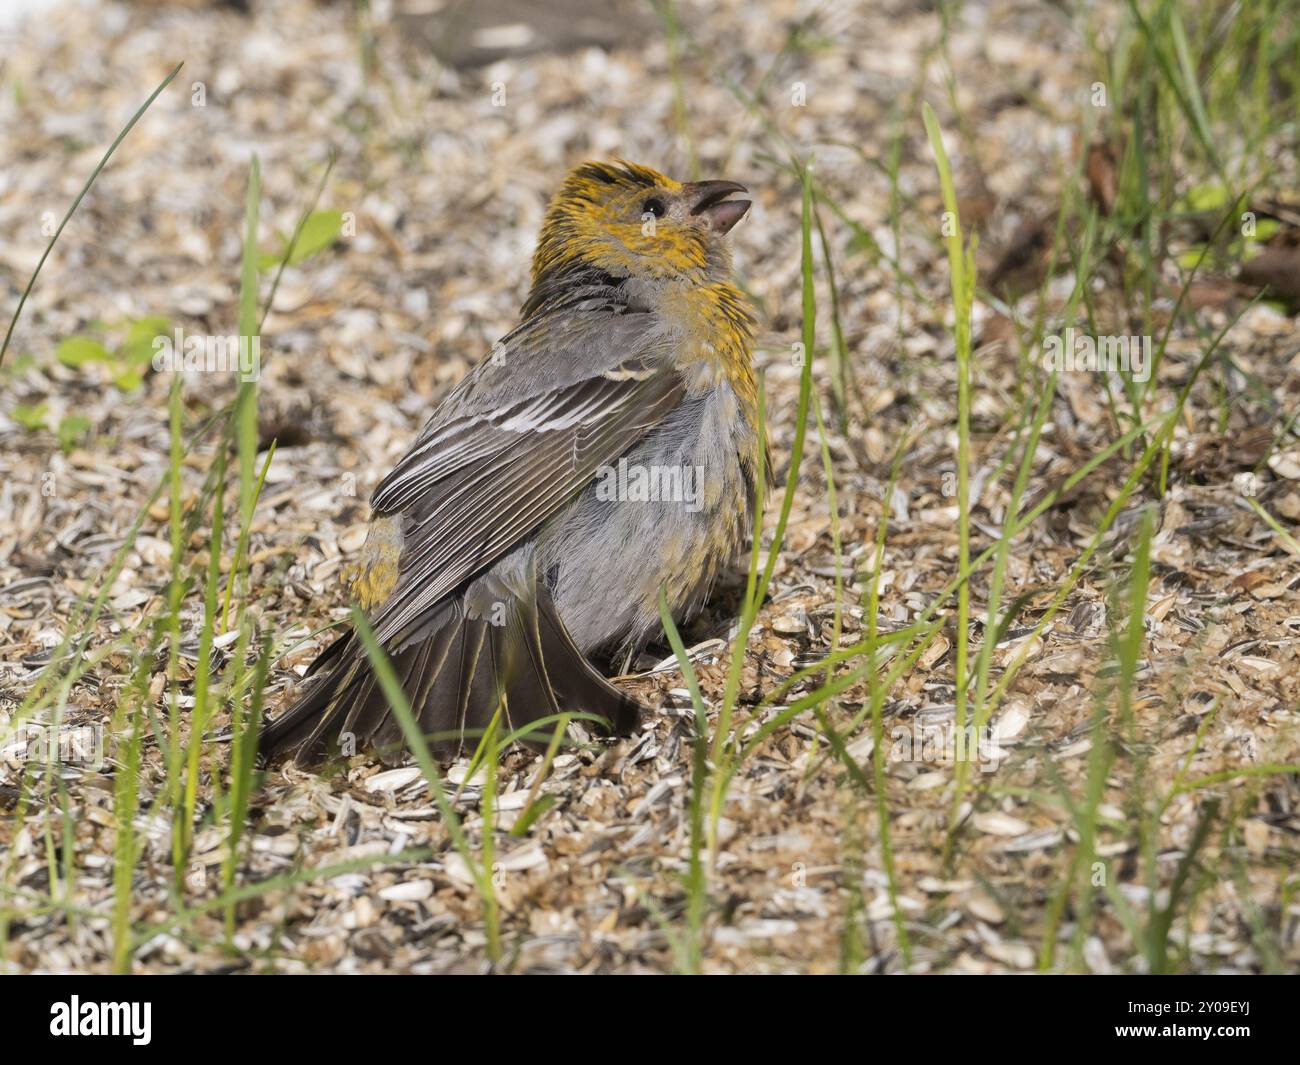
(711,202)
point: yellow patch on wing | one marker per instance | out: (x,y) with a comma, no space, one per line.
(371,578)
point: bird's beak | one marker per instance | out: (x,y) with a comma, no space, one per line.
(711,201)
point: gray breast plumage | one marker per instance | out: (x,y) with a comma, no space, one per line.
(679,501)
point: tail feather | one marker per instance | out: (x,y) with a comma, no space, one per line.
(331,653)
(387,738)
(583,685)
(456,671)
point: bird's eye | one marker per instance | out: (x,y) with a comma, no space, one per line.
(654,207)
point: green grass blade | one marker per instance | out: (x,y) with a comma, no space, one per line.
(22,300)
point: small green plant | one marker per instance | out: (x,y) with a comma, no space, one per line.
(319,231)
(31,416)
(128,360)
(34,417)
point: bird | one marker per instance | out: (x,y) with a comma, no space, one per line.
(605,448)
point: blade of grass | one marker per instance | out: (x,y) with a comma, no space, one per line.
(242,758)
(397,702)
(697,876)
(22,300)
(961,271)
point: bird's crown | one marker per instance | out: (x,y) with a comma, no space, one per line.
(630,221)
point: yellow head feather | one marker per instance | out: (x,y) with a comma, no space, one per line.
(599,218)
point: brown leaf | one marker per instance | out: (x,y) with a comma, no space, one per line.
(1102,171)
(1246,581)
(1275,269)
(1212,292)
(976,207)
(1023,264)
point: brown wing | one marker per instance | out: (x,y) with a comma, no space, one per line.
(475,486)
